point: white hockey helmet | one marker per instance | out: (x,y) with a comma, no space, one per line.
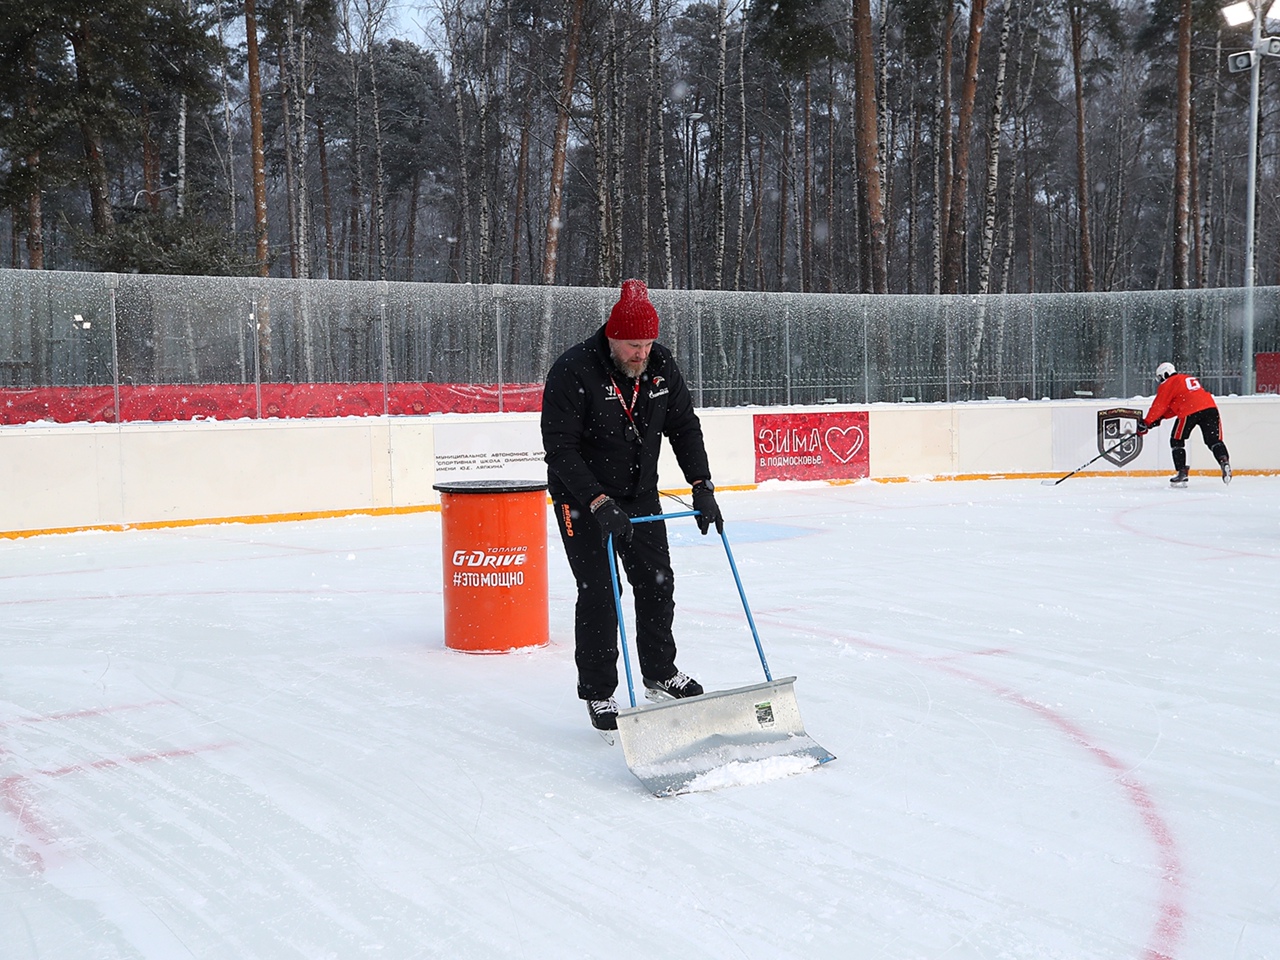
(1164,372)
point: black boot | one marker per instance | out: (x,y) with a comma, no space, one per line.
(1179,479)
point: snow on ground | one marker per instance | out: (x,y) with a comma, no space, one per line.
(1054,711)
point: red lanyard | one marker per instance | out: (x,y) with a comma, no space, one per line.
(634,395)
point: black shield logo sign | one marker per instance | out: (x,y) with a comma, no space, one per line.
(1118,439)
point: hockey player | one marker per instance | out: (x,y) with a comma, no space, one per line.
(1182,396)
(606,406)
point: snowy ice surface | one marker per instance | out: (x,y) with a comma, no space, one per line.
(1055,712)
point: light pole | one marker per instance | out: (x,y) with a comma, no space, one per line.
(1238,14)
(689,120)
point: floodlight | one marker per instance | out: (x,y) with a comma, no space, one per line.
(1270,46)
(1238,14)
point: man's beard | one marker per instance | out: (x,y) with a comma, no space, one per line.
(631,370)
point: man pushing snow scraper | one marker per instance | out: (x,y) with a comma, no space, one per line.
(607,403)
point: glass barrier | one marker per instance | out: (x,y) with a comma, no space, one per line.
(114,347)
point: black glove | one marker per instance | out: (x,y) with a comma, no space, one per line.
(1143,427)
(612,519)
(704,501)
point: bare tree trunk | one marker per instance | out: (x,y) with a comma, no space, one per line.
(722,50)
(655,101)
(805,226)
(82,45)
(555,205)
(1182,156)
(913,188)
(784,168)
(35,217)
(301,70)
(604,235)
(1197,206)
(290,187)
(991,196)
(555,198)
(228,129)
(1086,281)
(522,185)
(258,157)
(15,238)
(646,185)
(942,137)
(487,178)
(1028,190)
(885,135)
(867,124)
(757,225)
(452,18)
(829,216)
(742,159)
(411,226)
(262,320)
(618,151)
(150,161)
(35,204)
(953,252)
(993,159)
(1213,260)
(326,198)
(353,247)
(374,11)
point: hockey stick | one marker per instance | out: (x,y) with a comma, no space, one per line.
(1125,439)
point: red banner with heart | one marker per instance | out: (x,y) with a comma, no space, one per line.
(812,446)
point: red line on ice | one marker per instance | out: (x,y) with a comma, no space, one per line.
(14,790)
(81,714)
(1167,934)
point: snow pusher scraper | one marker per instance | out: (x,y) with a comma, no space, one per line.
(672,744)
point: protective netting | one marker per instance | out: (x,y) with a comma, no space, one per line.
(81,329)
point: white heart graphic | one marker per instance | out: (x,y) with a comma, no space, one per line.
(845,447)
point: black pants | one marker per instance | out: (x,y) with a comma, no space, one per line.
(646,561)
(1210,430)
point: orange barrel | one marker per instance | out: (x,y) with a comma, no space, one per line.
(494,536)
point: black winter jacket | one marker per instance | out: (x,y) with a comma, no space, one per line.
(584,424)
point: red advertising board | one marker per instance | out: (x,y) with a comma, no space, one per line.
(1267,372)
(233,401)
(812,446)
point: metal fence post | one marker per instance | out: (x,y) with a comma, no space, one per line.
(1124,350)
(113,282)
(866,349)
(497,334)
(257,356)
(946,343)
(786,345)
(697,331)
(1031,309)
(386,347)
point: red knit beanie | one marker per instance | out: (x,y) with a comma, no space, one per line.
(633,316)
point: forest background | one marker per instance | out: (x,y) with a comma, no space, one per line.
(926,146)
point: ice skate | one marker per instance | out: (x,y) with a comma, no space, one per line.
(677,687)
(604,717)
